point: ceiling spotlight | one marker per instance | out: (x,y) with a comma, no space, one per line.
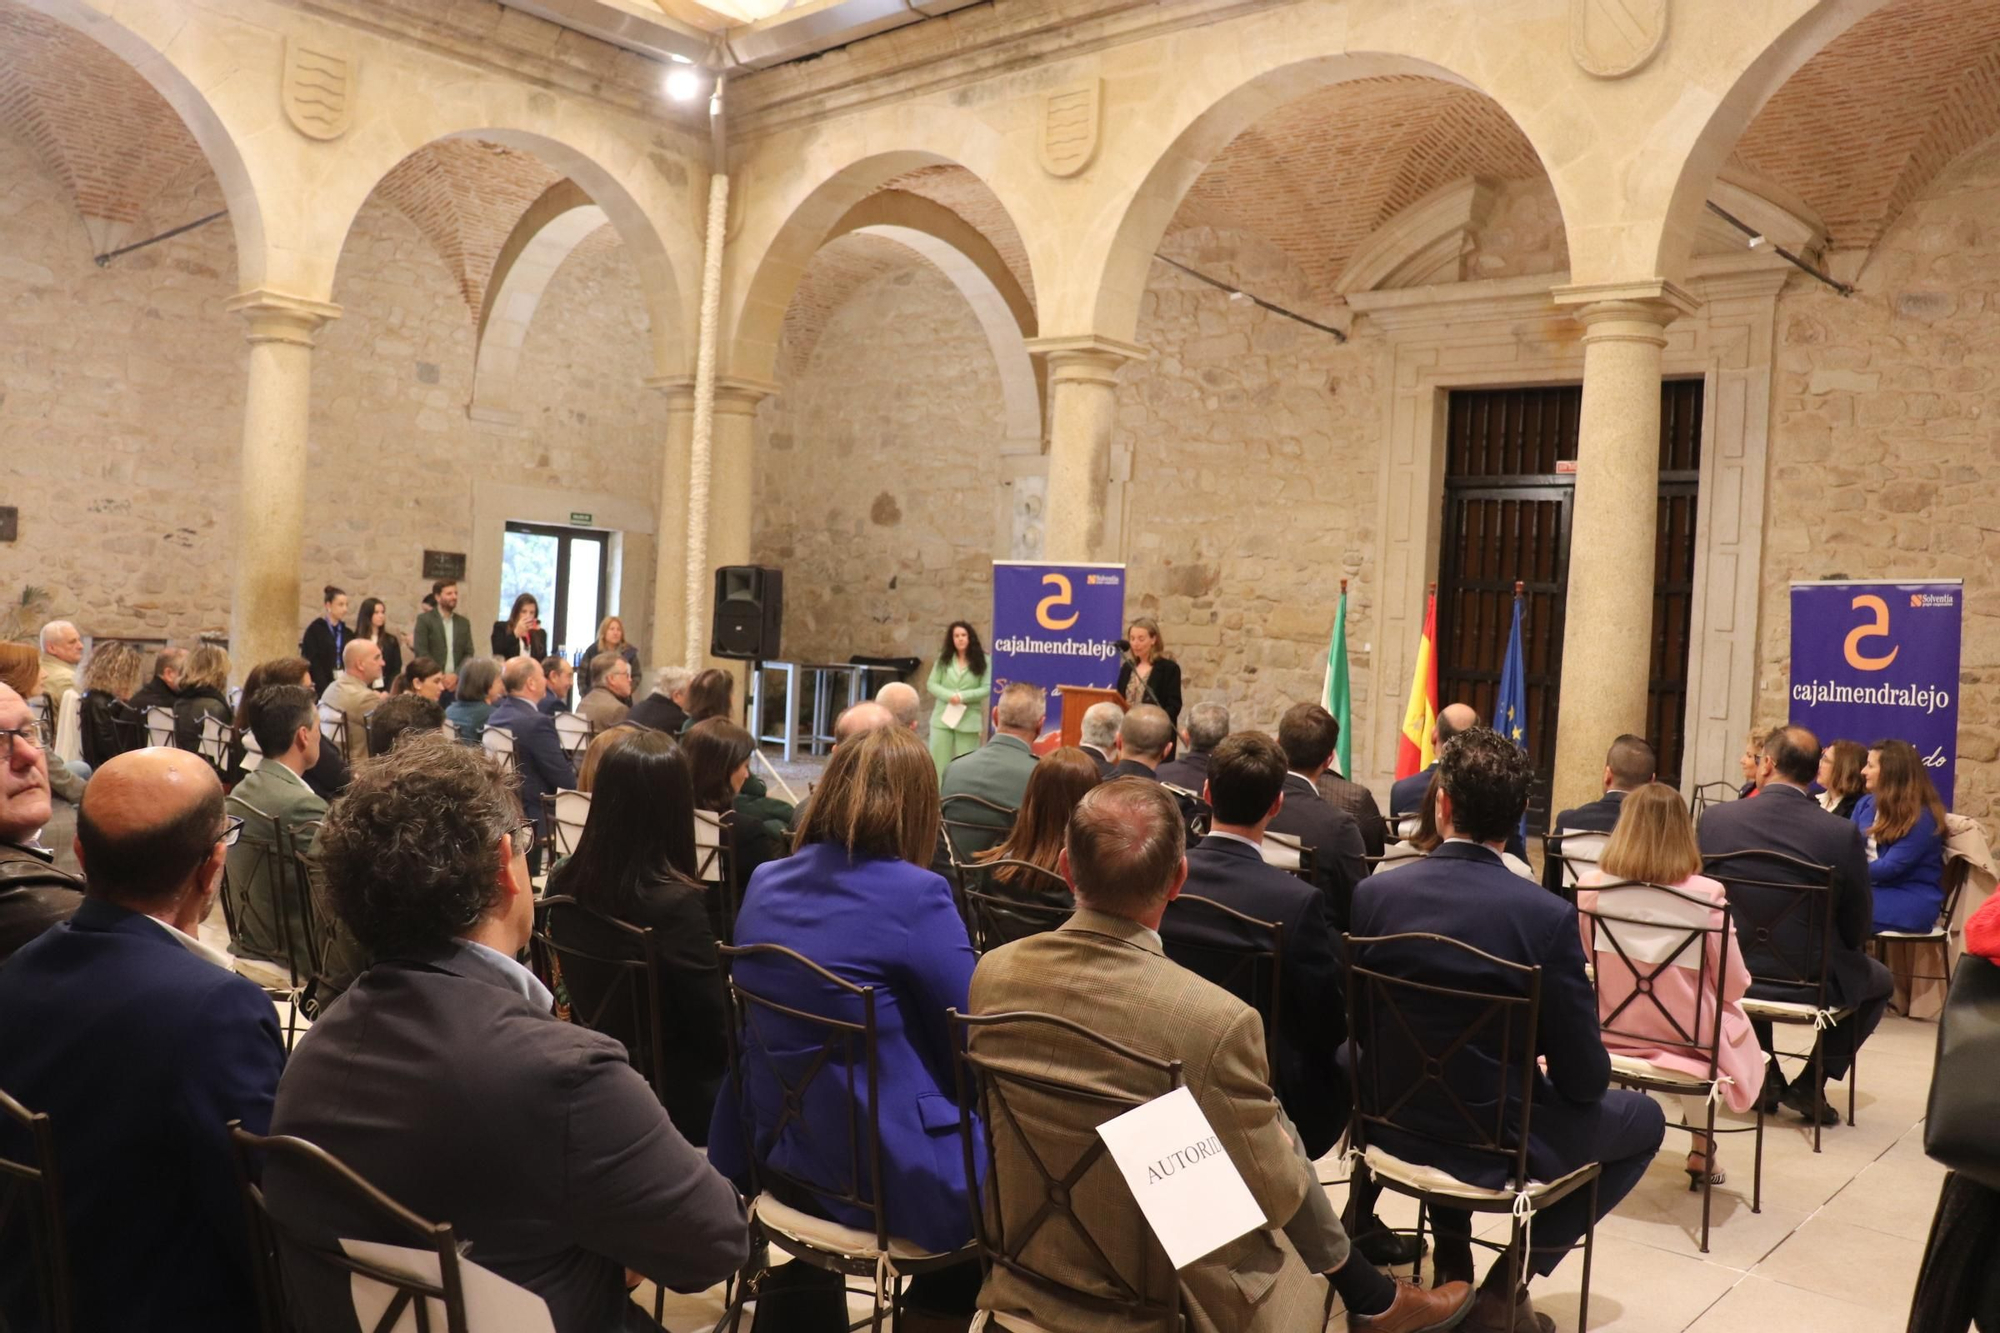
(1239,297)
(1756,241)
(683,85)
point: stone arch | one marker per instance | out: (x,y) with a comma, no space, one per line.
(541,240)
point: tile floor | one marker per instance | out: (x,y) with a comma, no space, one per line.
(1836,1246)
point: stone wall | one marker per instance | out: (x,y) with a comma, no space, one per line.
(121,408)
(1882,456)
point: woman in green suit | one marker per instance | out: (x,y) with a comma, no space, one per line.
(958,682)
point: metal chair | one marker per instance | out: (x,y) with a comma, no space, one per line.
(715,867)
(411,1294)
(291,919)
(1411,1037)
(498,742)
(1072,1185)
(1195,812)
(995,919)
(218,739)
(160,726)
(45,726)
(1394,853)
(1944,933)
(971,824)
(1638,932)
(610,970)
(1803,912)
(1707,794)
(574,732)
(564,813)
(1578,850)
(1288,853)
(31,1200)
(1241,954)
(129,724)
(333,726)
(253,753)
(780,1047)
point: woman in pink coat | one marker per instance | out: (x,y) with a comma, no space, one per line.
(1653,844)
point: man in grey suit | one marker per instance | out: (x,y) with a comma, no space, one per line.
(443,635)
(273,798)
(997,771)
(444,1077)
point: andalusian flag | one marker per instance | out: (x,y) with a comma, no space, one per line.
(1418,746)
(1336,693)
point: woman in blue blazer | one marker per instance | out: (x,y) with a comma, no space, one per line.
(1903,820)
(857,899)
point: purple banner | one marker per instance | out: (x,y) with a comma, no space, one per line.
(1879,661)
(1056,625)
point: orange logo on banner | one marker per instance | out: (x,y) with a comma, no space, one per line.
(1059,599)
(1878,628)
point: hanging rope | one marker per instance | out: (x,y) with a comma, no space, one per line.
(700,455)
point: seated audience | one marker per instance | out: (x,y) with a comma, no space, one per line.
(21,672)
(1784,819)
(1628,766)
(1098,733)
(62,651)
(1840,778)
(610,699)
(593,754)
(353,695)
(204,694)
(1463,892)
(34,895)
(1308,735)
(1407,794)
(272,800)
(998,771)
(1104,968)
(710,694)
(1206,725)
(1056,783)
(1654,844)
(163,690)
(1751,761)
(324,643)
(110,725)
(1359,803)
(636,862)
(146,1045)
(859,719)
(521,633)
(903,702)
(610,639)
(328,777)
(718,753)
(569,1173)
(1903,820)
(1144,735)
(404,712)
(560,674)
(423,677)
(478,691)
(538,754)
(665,709)
(371,622)
(857,900)
(1427,837)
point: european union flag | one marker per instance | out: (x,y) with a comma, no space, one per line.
(1510,711)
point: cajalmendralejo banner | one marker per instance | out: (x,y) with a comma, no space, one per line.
(1056,625)
(1879,661)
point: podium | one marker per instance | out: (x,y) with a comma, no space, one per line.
(1078,700)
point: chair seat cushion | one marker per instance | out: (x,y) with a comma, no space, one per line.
(271,976)
(1434,1180)
(1631,1066)
(1785,1011)
(823,1234)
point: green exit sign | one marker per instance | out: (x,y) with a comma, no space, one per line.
(576,517)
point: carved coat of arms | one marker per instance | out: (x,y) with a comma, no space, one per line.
(1069,127)
(1613,38)
(318,91)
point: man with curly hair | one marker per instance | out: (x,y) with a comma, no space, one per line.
(443,1076)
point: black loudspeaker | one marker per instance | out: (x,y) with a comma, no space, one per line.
(749,611)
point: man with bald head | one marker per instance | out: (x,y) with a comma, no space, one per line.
(902,700)
(353,693)
(1408,793)
(146,1045)
(860,719)
(1144,734)
(34,895)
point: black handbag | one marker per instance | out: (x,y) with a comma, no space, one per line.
(1962,1124)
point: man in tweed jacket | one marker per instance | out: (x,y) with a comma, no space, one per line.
(1106,970)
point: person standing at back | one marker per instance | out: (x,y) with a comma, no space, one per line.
(443,635)
(610,639)
(960,682)
(325,641)
(146,1045)
(521,633)
(371,622)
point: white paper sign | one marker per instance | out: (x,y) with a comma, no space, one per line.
(949,718)
(1191,1193)
(492,1303)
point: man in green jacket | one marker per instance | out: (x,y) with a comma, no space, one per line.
(443,635)
(263,896)
(997,771)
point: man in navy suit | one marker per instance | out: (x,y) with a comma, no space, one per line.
(1463,892)
(1783,818)
(538,751)
(141,1044)
(1206,725)
(1143,737)
(1408,793)
(1308,734)
(1628,767)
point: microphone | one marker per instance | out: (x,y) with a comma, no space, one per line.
(1123,645)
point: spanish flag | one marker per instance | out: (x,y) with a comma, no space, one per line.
(1416,749)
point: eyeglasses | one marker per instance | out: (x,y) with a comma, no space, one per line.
(232,829)
(32,734)
(523,837)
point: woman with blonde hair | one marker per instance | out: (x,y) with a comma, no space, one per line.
(204,694)
(110,724)
(610,639)
(1055,785)
(1650,873)
(1903,820)
(1148,675)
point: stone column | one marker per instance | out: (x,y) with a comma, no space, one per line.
(1083,393)
(264,616)
(732,476)
(670,553)
(1607,640)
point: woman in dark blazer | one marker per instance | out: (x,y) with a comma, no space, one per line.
(857,900)
(718,753)
(635,863)
(1148,676)
(373,623)
(110,724)
(521,633)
